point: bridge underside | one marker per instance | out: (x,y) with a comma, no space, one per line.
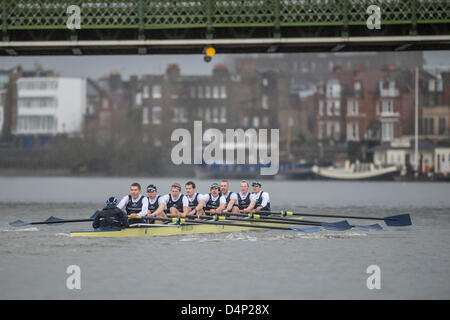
(39,27)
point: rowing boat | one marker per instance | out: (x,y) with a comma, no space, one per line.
(159,230)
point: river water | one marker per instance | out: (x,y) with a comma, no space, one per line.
(413,262)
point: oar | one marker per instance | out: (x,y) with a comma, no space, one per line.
(400,220)
(182,220)
(51,220)
(336,226)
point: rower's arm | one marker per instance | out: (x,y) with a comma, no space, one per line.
(160,209)
(200,205)
(231,204)
(144,210)
(251,205)
(122,203)
(264,202)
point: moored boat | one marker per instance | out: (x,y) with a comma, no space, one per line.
(357,171)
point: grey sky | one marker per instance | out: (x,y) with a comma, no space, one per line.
(95,66)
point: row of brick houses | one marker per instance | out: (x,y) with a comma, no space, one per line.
(348,105)
(360,105)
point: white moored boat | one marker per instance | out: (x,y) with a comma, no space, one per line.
(356,171)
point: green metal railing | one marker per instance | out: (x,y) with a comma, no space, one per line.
(167,14)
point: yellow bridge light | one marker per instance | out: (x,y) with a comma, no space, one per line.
(210,51)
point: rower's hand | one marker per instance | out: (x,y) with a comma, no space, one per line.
(246,210)
(133,215)
(182,215)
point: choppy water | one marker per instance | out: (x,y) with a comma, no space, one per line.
(414,261)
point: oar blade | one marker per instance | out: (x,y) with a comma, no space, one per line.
(371,227)
(19,223)
(306,230)
(337,226)
(401,220)
(53,220)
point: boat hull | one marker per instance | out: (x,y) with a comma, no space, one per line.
(160,230)
(337,174)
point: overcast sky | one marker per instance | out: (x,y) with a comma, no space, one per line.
(95,66)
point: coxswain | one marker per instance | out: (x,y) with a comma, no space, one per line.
(177,204)
(156,206)
(135,204)
(231,198)
(259,199)
(214,201)
(196,200)
(110,216)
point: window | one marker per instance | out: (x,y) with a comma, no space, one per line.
(266,121)
(223,92)
(357,86)
(320,107)
(352,108)
(138,99)
(337,107)
(207,115)
(179,115)
(337,130)
(36,123)
(352,132)
(431,85)
(265,82)
(329,129)
(192,90)
(256,122)
(265,102)
(441,130)
(387,106)
(215,115)
(245,121)
(200,91)
(156,92)
(216,92)
(145,92)
(207,92)
(156,115)
(145,115)
(387,131)
(105,103)
(223,114)
(320,130)
(329,108)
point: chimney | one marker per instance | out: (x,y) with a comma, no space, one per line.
(173,71)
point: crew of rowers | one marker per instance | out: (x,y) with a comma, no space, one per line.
(176,204)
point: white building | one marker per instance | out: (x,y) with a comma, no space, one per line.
(442,161)
(401,154)
(50,105)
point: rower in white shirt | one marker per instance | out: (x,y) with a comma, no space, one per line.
(177,204)
(231,198)
(156,206)
(243,201)
(196,200)
(214,201)
(134,204)
(259,200)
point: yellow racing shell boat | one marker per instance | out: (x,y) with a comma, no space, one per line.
(159,230)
